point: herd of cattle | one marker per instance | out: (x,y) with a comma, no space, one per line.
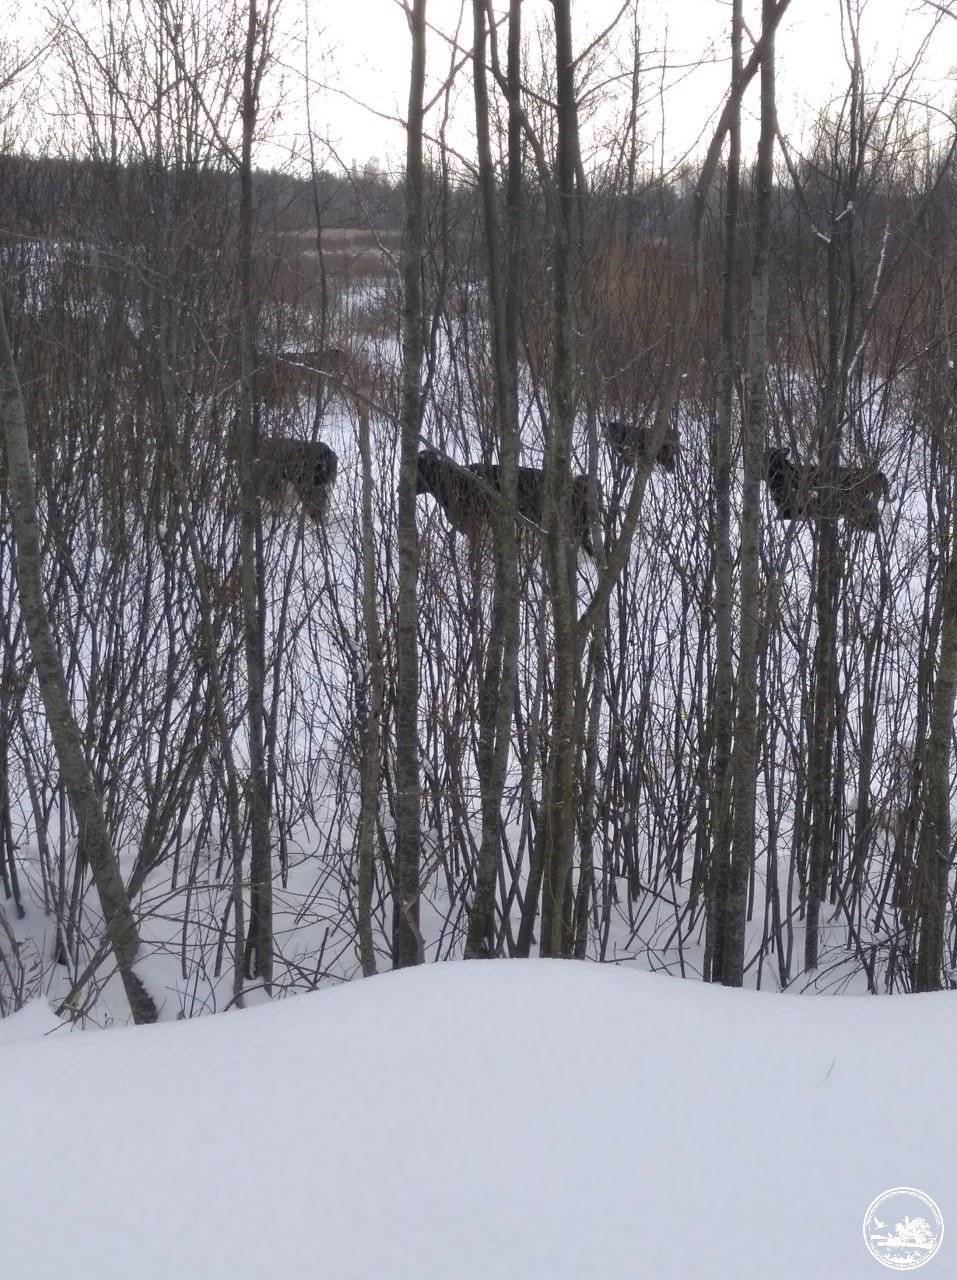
(471,497)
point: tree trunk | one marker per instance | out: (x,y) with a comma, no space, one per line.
(406,936)
(829,565)
(373,697)
(561,548)
(504,274)
(934,853)
(93,834)
(722,714)
(259,940)
(745,751)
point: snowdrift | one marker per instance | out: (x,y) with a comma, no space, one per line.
(487,1119)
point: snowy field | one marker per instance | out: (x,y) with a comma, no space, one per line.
(534,1120)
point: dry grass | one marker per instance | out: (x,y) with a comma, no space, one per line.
(351,253)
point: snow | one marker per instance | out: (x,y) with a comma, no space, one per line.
(36,1018)
(478,1119)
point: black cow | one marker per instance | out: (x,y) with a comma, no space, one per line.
(471,495)
(309,468)
(797,490)
(629,443)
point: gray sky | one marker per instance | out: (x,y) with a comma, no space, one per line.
(367,57)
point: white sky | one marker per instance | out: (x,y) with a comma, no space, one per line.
(357,55)
(367,47)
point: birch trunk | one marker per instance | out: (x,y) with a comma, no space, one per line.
(93,833)
(373,696)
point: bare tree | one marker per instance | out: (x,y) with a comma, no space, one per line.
(720,737)
(504,255)
(745,751)
(407,937)
(259,943)
(94,836)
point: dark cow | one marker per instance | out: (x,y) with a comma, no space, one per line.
(860,492)
(471,495)
(797,491)
(629,443)
(309,468)
(789,488)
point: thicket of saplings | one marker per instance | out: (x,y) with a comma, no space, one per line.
(121,295)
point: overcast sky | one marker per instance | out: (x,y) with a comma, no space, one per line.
(361,58)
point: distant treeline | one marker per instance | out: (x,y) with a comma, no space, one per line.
(54,196)
(50,195)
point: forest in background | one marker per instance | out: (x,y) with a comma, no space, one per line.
(722,746)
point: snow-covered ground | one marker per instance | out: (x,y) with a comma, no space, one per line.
(509,1119)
